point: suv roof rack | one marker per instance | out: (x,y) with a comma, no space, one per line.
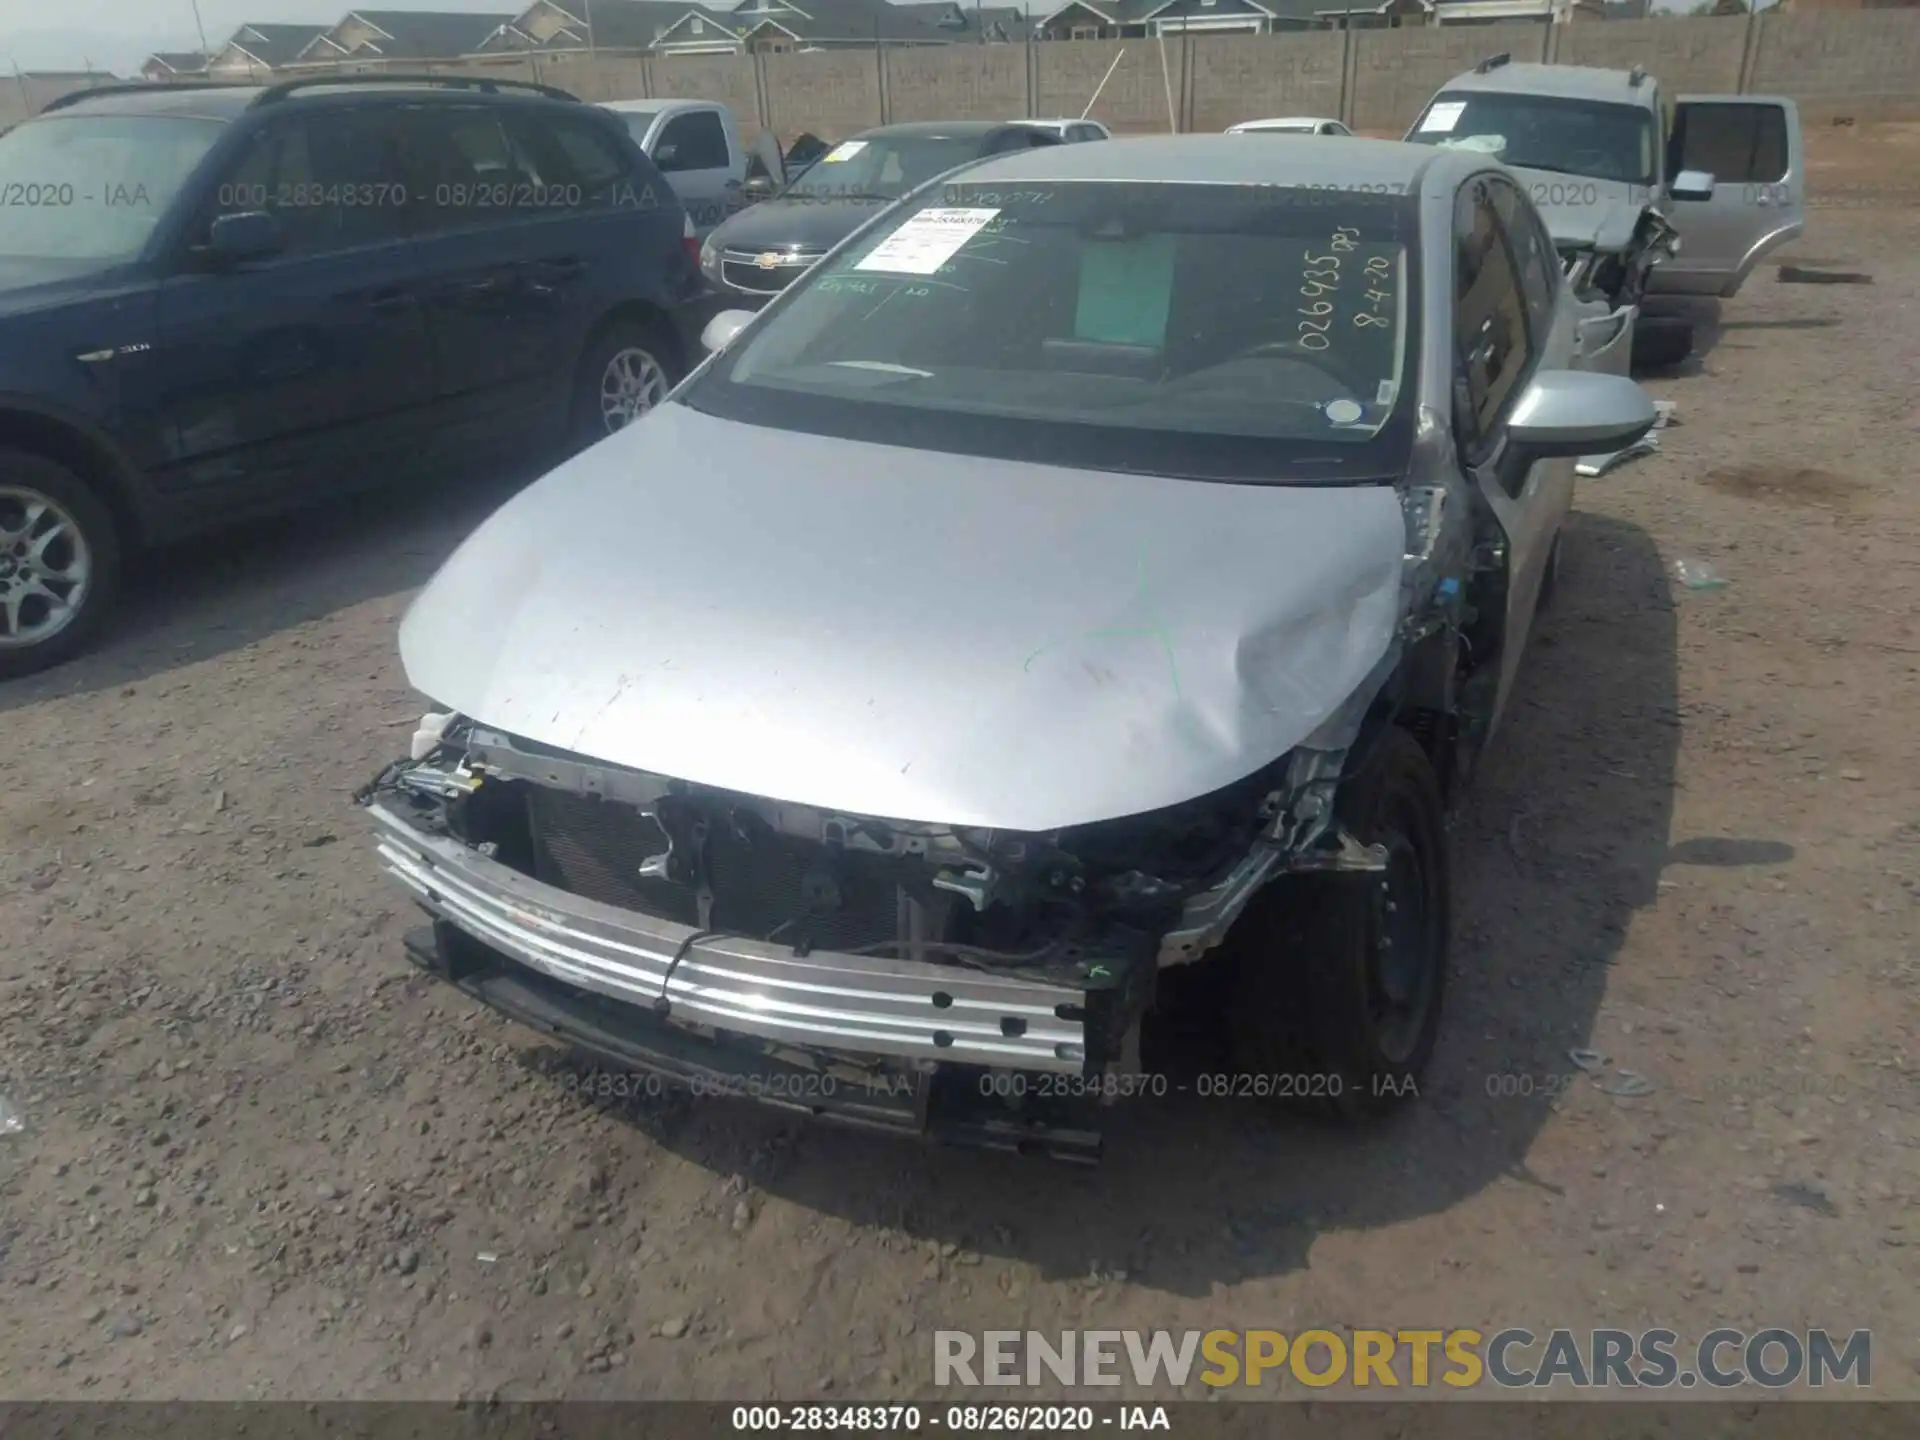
(135,87)
(272,94)
(485,84)
(1493,62)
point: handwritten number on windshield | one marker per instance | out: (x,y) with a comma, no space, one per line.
(1321,277)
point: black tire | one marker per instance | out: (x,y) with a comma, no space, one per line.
(1313,1005)
(26,479)
(1661,344)
(652,340)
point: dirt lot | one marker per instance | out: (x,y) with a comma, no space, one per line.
(260,1159)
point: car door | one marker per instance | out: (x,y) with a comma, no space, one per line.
(308,370)
(1508,324)
(693,151)
(516,273)
(1751,145)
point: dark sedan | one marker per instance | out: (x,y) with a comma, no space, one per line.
(757,253)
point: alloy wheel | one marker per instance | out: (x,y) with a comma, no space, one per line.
(46,567)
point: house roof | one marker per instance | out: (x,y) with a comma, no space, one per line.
(180,62)
(625,24)
(835,20)
(273,44)
(423,34)
(1001,22)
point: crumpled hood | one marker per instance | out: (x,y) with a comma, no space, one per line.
(1583,211)
(905,634)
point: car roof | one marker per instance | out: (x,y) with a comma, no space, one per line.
(1338,161)
(937,129)
(653,106)
(1283,122)
(1571,82)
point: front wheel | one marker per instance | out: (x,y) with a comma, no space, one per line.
(1341,976)
(59,563)
(625,373)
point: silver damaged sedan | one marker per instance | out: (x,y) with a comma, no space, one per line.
(1084,589)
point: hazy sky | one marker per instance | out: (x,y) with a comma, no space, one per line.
(119,34)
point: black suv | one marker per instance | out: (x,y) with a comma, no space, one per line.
(222,301)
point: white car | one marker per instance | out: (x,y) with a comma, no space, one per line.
(1290,125)
(1072,132)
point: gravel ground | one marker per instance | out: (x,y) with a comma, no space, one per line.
(261,1158)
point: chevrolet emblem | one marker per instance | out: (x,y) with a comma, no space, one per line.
(770,260)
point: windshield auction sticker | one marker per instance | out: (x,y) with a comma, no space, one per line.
(927,241)
(1443,117)
(845,150)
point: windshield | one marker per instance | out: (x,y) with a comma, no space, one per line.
(92,187)
(1211,331)
(887,167)
(1540,132)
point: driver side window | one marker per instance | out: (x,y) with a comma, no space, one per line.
(1492,347)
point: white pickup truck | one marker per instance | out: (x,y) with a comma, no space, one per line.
(696,144)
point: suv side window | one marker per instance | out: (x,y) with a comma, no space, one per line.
(698,141)
(1736,144)
(1535,261)
(587,160)
(461,166)
(1492,349)
(328,177)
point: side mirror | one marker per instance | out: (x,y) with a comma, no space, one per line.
(760,187)
(244,235)
(728,323)
(1570,413)
(1691,185)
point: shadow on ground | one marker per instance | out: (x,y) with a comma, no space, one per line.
(223,592)
(1561,841)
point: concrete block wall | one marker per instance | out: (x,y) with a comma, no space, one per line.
(1395,72)
(729,79)
(831,93)
(1254,77)
(1066,74)
(1686,55)
(1862,64)
(966,80)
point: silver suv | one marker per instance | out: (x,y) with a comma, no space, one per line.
(1645,194)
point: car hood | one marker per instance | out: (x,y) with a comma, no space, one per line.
(805,224)
(1602,213)
(905,634)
